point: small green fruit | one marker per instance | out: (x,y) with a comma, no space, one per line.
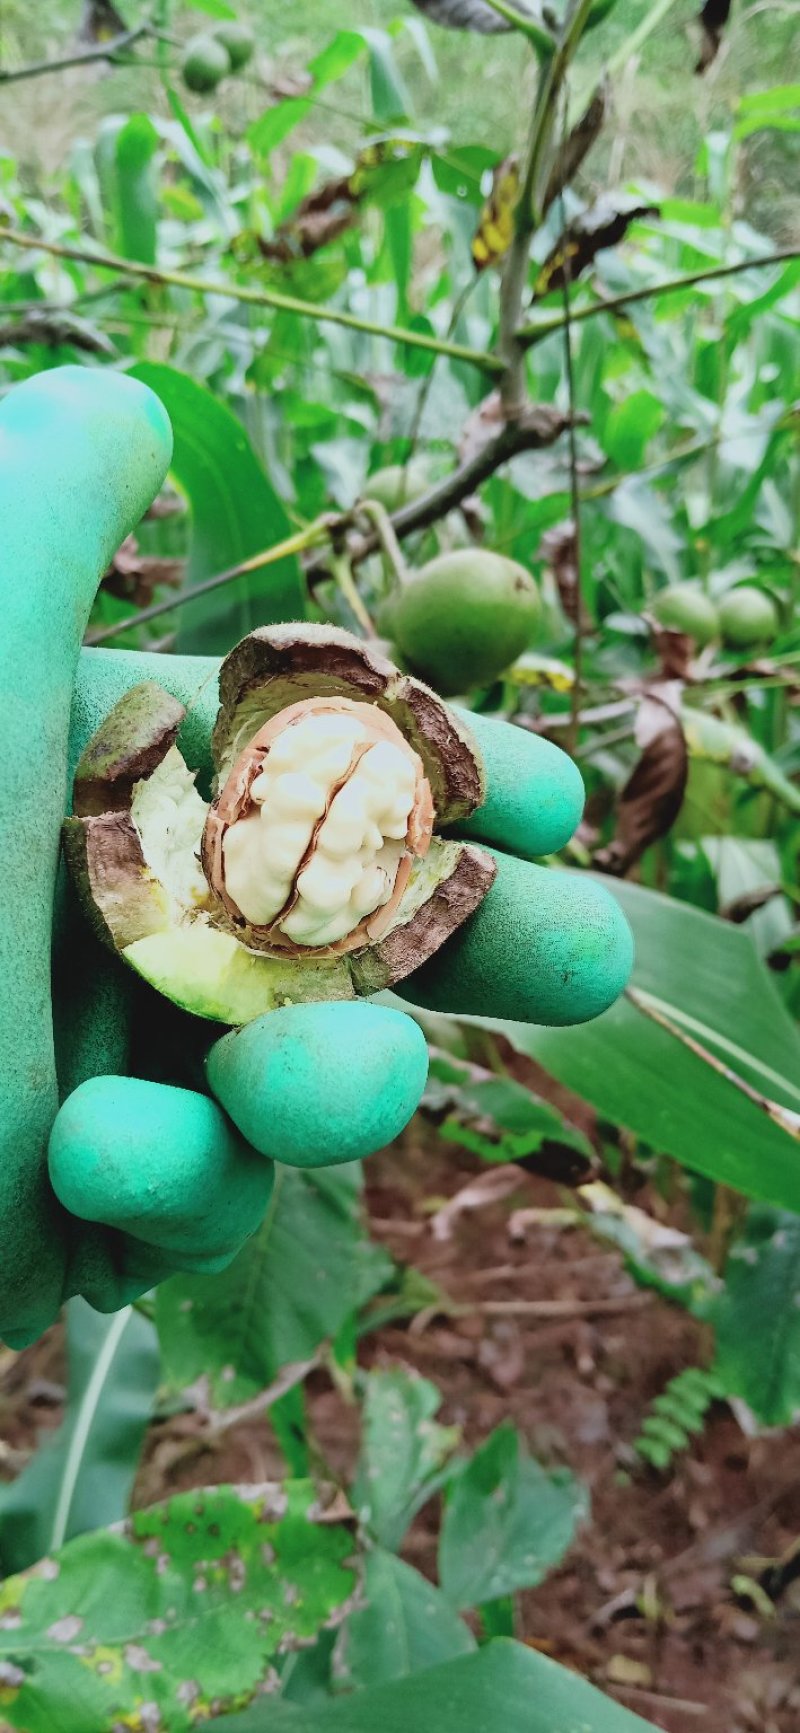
(238,41)
(747,617)
(205,62)
(464,617)
(686,608)
(397,484)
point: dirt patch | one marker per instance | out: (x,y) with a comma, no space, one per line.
(548,1330)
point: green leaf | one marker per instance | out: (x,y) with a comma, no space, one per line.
(705,975)
(507,1522)
(235,513)
(402,1450)
(390,98)
(630,426)
(136,194)
(758,1318)
(185,1607)
(81,1476)
(503,1686)
(291,1287)
(406,1625)
(512,1122)
(214,8)
(278,121)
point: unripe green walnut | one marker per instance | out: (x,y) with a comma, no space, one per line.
(686,608)
(465,617)
(748,617)
(205,63)
(238,41)
(397,484)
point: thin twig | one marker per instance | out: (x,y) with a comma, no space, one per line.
(574,489)
(535,175)
(538,428)
(222,1419)
(315,533)
(530,334)
(599,1308)
(784,1117)
(83,57)
(254,298)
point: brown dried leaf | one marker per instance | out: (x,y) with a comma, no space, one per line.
(559,547)
(320,218)
(577,145)
(134,577)
(712,21)
(99,23)
(603,225)
(653,795)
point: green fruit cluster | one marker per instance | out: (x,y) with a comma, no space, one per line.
(745,619)
(463,618)
(211,56)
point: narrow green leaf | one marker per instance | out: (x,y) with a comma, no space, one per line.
(277,122)
(235,513)
(704,973)
(81,1477)
(136,191)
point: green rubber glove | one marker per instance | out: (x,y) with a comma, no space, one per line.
(146,1177)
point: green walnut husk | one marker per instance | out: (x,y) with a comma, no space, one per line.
(149,878)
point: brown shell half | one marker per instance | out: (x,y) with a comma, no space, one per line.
(233,802)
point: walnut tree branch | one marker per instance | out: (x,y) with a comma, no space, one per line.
(82,57)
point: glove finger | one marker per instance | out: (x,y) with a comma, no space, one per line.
(544,946)
(315,1085)
(534,792)
(81,456)
(162,1164)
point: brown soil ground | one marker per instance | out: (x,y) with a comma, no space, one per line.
(644,1604)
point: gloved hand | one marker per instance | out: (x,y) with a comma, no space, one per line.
(158,1178)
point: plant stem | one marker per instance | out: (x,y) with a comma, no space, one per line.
(343,575)
(530,334)
(540,38)
(254,298)
(535,174)
(84,57)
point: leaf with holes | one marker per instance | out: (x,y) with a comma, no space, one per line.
(292,1286)
(81,1476)
(758,1318)
(185,1607)
(403,1452)
(507,1522)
